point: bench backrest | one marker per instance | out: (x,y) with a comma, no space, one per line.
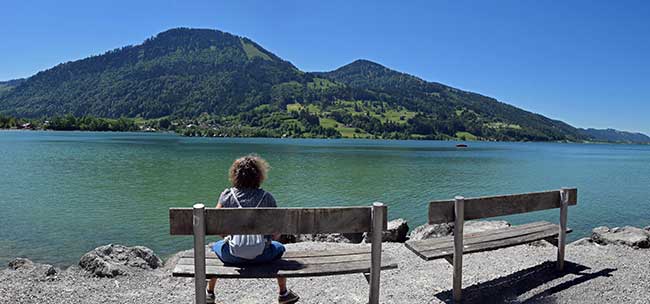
(225,221)
(491,206)
(200,221)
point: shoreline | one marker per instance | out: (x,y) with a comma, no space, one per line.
(327,138)
(600,236)
(519,274)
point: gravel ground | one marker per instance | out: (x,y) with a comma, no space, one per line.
(595,274)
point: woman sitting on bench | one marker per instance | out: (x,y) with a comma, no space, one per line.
(246,175)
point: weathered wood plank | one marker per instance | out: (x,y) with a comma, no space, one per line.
(446,243)
(510,241)
(285,220)
(491,206)
(302,260)
(284,268)
(495,234)
(198,226)
(491,245)
(180,221)
(485,236)
(448,247)
(297,253)
(459,224)
(564,202)
(378,215)
(305,261)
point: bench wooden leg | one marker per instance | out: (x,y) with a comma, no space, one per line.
(198,222)
(375,257)
(564,208)
(459,221)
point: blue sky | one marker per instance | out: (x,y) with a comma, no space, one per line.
(583,62)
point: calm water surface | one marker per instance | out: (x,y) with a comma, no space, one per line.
(64,193)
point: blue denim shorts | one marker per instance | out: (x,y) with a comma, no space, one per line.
(273,251)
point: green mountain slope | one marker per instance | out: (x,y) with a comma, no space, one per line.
(474,113)
(6,86)
(180,71)
(207,82)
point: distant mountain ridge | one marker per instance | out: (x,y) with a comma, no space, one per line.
(616,136)
(230,85)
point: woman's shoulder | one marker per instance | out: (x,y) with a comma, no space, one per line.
(268,199)
(226,191)
(224,195)
(267,193)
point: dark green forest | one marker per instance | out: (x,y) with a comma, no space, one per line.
(201,82)
(71,123)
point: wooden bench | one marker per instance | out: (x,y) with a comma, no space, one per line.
(200,221)
(460,209)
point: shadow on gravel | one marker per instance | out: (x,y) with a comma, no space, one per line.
(508,289)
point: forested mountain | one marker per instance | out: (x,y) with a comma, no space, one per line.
(207,82)
(477,114)
(180,71)
(616,136)
(5,86)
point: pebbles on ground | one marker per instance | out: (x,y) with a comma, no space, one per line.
(595,274)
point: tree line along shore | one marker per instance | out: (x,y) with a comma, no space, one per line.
(305,124)
(207,126)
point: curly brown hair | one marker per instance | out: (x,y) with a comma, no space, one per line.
(248,171)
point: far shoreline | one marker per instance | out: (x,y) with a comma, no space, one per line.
(326,138)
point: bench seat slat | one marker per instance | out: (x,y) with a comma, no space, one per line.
(483,241)
(215,261)
(209,254)
(492,245)
(287,267)
(470,237)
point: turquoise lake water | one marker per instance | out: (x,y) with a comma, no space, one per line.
(65,193)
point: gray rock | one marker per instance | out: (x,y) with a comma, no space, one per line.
(36,271)
(50,270)
(20,263)
(480,226)
(355,238)
(113,260)
(396,231)
(646,228)
(323,237)
(288,239)
(428,231)
(628,236)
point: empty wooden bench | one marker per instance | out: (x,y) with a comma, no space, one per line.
(460,209)
(201,264)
